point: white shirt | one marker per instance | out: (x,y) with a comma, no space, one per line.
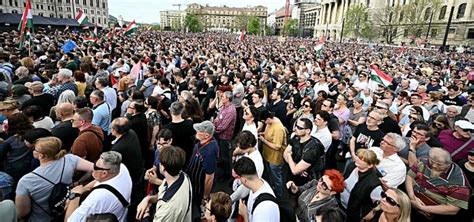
(253,129)
(103,201)
(110,96)
(267,211)
(323,135)
(320,87)
(392,168)
(157,90)
(45,123)
(240,191)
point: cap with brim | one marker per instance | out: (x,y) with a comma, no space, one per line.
(206,127)
(464,124)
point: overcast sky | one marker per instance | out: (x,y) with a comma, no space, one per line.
(148,11)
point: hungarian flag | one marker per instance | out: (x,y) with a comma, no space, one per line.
(81,17)
(319,48)
(132,27)
(26,24)
(379,77)
(243,33)
(89,40)
(418,43)
(95,34)
(66,29)
(402,51)
(322,40)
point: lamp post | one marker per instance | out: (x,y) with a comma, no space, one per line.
(443,47)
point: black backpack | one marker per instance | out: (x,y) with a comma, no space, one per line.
(286,213)
(57,198)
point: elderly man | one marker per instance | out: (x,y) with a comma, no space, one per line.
(64,79)
(102,111)
(202,166)
(467,111)
(110,191)
(391,167)
(23,76)
(458,142)
(44,100)
(417,144)
(437,187)
(110,96)
(367,135)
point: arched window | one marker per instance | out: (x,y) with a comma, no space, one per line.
(427,13)
(368,3)
(461,10)
(442,12)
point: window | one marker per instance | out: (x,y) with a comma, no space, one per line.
(427,13)
(1,2)
(85,10)
(442,12)
(470,33)
(68,1)
(97,3)
(37,6)
(1,10)
(68,9)
(51,15)
(103,5)
(434,33)
(61,16)
(93,20)
(84,2)
(14,11)
(41,6)
(11,2)
(16,3)
(69,16)
(60,8)
(40,14)
(98,20)
(91,2)
(92,11)
(461,10)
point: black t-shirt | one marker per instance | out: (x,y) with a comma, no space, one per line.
(45,101)
(457,101)
(66,133)
(366,138)
(183,136)
(310,151)
(389,126)
(333,124)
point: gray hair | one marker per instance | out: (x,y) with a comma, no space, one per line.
(176,108)
(228,95)
(398,141)
(99,94)
(440,155)
(186,94)
(22,72)
(112,160)
(67,96)
(65,73)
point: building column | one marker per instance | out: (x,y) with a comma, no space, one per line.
(334,13)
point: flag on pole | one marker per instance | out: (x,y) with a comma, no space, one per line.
(120,21)
(89,40)
(66,29)
(69,46)
(132,27)
(418,43)
(243,33)
(81,17)
(319,48)
(95,33)
(379,77)
(26,24)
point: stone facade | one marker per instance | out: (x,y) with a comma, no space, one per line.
(172,20)
(97,11)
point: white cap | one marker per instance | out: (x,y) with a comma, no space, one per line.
(464,124)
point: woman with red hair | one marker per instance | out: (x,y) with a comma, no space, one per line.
(317,193)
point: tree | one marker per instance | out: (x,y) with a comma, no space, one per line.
(253,26)
(417,15)
(357,23)
(192,23)
(388,19)
(290,27)
(241,21)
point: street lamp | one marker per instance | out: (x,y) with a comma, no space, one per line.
(448,26)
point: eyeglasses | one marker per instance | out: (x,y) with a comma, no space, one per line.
(36,150)
(99,168)
(131,107)
(466,130)
(390,200)
(385,141)
(299,127)
(324,184)
(413,117)
(371,117)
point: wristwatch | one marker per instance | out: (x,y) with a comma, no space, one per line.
(73,195)
(412,150)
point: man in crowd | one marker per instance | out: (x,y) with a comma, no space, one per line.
(89,142)
(110,96)
(102,111)
(277,105)
(388,125)
(65,81)
(418,148)
(181,129)
(43,100)
(333,126)
(64,129)
(367,135)
(321,130)
(224,128)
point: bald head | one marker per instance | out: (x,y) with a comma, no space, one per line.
(64,110)
(120,125)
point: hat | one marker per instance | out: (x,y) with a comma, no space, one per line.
(205,126)
(34,85)
(8,104)
(464,124)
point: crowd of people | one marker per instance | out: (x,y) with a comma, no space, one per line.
(164,126)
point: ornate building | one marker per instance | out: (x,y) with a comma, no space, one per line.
(461,30)
(226,18)
(306,12)
(97,11)
(172,20)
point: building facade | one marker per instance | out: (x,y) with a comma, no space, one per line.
(229,19)
(172,20)
(97,11)
(305,11)
(461,30)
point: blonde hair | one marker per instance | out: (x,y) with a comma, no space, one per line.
(405,206)
(50,147)
(368,156)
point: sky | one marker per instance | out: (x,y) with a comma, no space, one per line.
(148,11)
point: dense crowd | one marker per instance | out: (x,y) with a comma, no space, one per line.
(163,126)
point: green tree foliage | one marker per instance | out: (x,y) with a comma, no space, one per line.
(417,15)
(357,23)
(192,23)
(241,21)
(253,26)
(389,19)
(290,27)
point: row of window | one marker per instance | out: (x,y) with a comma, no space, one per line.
(39,6)
(231,12)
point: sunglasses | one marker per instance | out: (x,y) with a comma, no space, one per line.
(324,184)
(439,125)
(390,200)
(467,130)
(412,117)
(299,127)
(99,168)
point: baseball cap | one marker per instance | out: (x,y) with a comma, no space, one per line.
(464,124)
(205,126)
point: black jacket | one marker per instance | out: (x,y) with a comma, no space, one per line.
(128,146)
(360,203)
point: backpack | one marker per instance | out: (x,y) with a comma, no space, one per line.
(286,212)
(173,95)
(57,198)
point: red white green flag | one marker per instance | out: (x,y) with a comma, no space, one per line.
(81,17)
(132,27)
(380,77)
(89,40)
(95,33)
(26,24)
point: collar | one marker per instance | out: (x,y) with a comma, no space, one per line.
(173,189)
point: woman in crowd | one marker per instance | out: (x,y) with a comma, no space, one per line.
(80,81)
(306,111)
(341,111)
(153,118)
(35,187)
(431,105)
(192,110)
(439,124)
(13,151)
(394,206)
(357,114)
(361,185)
(317,193)
(351,96)
(250,124)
